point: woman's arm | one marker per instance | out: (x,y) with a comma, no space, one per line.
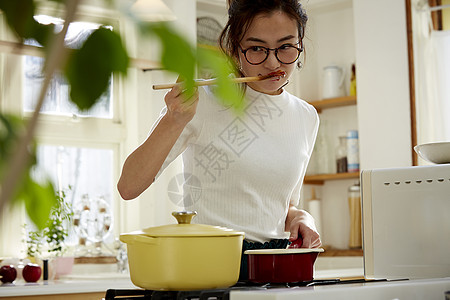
(142,165)
(301,222)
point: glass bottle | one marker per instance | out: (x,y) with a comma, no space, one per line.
(341,155)
(323,160)
(354,205)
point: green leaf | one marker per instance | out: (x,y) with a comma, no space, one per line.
(89,69)
(42,33)
(180,57)
(227,91)
(7,135)
(10,128)
(38,199)
(177,54)
(20,17)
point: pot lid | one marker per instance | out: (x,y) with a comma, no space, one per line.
(284,251)
(184,228)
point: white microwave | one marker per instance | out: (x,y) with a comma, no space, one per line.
(406,222)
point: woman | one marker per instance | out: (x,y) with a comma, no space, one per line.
(250,167)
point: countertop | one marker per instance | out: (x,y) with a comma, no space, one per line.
(99,282)
(429,289)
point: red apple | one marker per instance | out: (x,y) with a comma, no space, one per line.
(8,273)
(31,272)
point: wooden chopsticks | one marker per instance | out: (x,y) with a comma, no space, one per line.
(210,82)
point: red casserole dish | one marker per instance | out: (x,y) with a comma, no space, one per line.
(281,265)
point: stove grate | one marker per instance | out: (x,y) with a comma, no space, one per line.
(214,294)
(217,294)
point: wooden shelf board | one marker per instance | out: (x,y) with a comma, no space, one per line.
(333,102)
(96,260)
(321,178)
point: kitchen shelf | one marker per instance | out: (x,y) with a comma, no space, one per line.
(321,178)
(333,102)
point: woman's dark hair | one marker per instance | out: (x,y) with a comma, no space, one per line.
(242,12)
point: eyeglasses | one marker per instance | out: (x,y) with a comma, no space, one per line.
(285,54)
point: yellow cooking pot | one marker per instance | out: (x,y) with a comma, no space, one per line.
(184,256)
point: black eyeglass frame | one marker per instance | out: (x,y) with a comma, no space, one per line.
(267,50)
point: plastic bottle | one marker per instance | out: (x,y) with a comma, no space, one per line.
(352,151)
(354,205)
(341,155)
(314,208)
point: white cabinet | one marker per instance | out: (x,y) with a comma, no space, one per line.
(383,83)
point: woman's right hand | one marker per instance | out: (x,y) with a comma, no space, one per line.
(180,107)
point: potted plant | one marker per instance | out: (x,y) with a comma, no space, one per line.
(50,241)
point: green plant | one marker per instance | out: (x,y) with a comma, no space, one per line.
(58,225)
(55,232)
(34,242)
(101,54)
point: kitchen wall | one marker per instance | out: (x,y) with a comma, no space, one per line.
(383,87)
(153,207)
(329,40)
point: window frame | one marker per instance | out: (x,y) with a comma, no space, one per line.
(72,131)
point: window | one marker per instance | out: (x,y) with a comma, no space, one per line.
(85,176)
(57,101)
(78,150)
(429,35)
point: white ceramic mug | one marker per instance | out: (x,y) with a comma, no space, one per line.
(333,81)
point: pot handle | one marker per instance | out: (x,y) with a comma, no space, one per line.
(297,243)
(136,238)
(184,217)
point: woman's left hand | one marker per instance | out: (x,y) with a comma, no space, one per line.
(301,222)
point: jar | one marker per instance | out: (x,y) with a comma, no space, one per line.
(354,205)
(341,155)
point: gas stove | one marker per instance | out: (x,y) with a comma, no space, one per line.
(215,294)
